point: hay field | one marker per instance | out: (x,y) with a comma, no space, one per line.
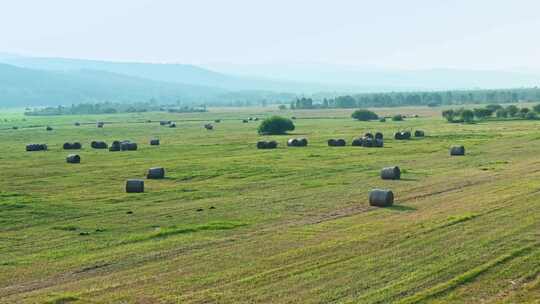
(233,224)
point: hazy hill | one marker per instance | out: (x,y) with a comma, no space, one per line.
(22,86)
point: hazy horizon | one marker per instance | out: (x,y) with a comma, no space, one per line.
(484,35)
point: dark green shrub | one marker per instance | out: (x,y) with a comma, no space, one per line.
(275,125)
(397,117)
(364,115)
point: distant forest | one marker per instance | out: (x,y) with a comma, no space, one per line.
(111,108)
(433,99)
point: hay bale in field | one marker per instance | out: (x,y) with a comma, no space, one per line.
(251,118)
(100,124)
(383,119)
(98,145)
(357,142)
(267,144)
(419,133)
(244,121)
(165,122)
(337,142)
(256,119)
(381,198)
(15,128)
(303,142)
(128,146)
(293,118)
(368,135)
(73,159)
(36,147)
(457,151)
(115,146)
(391,173)
(172,125)
(271,144)
(378,143)
(156,173)
(292,142)
(77,124)
(217,120)
(154,142)
(379,135)
(49,128)
(134,186)
(209,127)
(72,146)
(402,135)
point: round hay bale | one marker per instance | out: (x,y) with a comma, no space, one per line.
(381,198)
(73,159)
(331,142)
(77,124)
(341,142)
(76,146)
(245,121)
(392,173)
(368,135)
(154,142)
(156,173)
(115,146)
(293,118)
(457,151)
(128,146)
(293,142)
(402,135)
(261,144)
(379,135)
(368,142)
(303,142)
(378,143)
(49,128)
(134,186)
(209,127)
(357,142)
(98,145)
(217,120)
(172,125)
(100,124)
(383,119)
(67,146)
(419,133)
(15,128)
(271,144)
(256,119)
(36,147)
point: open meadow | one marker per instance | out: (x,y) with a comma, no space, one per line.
(234,224)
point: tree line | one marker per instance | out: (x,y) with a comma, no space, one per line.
(432,99)
(111,108)
(491,111)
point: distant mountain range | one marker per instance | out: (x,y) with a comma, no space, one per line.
(33,81)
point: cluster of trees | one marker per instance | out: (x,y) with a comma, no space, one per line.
(433,99)
(275,125)
(490,111)
(109,108)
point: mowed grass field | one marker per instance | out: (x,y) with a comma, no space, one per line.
(233,224)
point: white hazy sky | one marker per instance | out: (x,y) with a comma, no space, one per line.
(476,34)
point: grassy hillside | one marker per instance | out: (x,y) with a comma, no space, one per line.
(233,224)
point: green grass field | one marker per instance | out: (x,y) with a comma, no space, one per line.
(233,224)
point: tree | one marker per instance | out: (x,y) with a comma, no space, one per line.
(536,108)
(501,113)
(531,116)
(494,107)
(512,110)
(449,115)
(282,107)
(467,115)
(482,113)
(364,115)
(275,125)
(397,117)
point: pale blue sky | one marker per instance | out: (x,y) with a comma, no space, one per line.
(407,34)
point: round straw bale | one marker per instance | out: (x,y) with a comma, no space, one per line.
(99,145)
(271,144)
(331,142)
(49,128)
(73,159)
(391,173)
(368,135)
(357,142)
(261,144)
(378,143)
(156,173)
(379,135)
(381,198)
(457,151)
(154,142)
(134,186)
(303,142)
(419,133)
(293,142)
